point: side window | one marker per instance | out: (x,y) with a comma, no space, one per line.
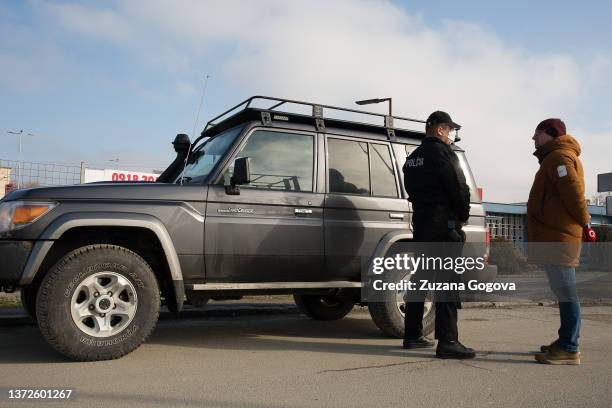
(279,161)
(402,151)
(348,167)
(383,179)
(474,195)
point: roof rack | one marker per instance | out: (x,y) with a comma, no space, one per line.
(317,113)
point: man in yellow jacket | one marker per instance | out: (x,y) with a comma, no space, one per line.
(557,222)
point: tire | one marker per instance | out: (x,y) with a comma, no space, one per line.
(28,300)
(78,315)
(388,316)
(319,307)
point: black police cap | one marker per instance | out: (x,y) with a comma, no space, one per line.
(440,117)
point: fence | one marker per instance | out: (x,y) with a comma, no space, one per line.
(20,174)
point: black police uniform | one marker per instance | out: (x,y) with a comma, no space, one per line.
(440,199)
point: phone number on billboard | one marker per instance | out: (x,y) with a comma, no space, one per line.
(131,177)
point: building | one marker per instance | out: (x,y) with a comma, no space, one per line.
(5,177)
(509,221)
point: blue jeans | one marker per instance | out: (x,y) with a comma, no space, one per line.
(562,281)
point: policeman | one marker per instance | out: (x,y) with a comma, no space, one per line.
(440,199)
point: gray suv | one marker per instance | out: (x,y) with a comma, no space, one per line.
(267,200)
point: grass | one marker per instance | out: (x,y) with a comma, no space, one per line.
(287,298)
(10,300)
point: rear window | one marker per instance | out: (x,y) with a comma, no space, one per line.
(383,177)
(469,177)
(348,167)
(361,168)
(405,150)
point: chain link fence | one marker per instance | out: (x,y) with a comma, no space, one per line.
(21,174)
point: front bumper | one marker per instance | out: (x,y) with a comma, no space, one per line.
(13,258)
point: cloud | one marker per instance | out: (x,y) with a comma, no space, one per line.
(337,52)
(185,88)
(29,63)
(101,23)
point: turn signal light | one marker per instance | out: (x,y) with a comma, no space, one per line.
(28,213)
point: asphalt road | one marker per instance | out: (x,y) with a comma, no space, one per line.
(291,361)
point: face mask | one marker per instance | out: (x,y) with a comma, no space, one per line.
(452,135)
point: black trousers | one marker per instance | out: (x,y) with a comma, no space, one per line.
(438,242)
(446,311)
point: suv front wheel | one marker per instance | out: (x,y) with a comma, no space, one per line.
(99,302)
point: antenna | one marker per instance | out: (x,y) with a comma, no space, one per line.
(195,124)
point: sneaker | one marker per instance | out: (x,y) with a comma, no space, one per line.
(420,342)
(454,349)
(556,355)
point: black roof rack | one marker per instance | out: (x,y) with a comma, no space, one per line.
(246,109)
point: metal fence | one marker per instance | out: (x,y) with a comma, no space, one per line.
(21,174)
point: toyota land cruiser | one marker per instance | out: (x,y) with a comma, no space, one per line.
(264,201)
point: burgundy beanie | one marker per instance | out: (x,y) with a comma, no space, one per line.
(553,127)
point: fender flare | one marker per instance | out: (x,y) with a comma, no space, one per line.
(387,241)
(488,274)
(96,219)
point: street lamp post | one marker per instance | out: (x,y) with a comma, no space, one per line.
(377,100)
(388,118)
(20,134)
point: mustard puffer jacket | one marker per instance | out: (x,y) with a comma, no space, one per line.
(557,209)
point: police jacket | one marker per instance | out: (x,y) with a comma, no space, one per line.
(434,180)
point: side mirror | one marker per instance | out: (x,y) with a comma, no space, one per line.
(242,175)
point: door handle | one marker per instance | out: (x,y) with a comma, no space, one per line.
(396,216)
(302,211)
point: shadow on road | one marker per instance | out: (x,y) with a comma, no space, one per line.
(352,335)
(355,335)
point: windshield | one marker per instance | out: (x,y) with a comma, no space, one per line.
(204,158)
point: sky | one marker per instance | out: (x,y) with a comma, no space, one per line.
(103,80)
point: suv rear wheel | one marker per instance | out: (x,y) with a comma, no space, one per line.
(323,307)
(389,314)
(99,302)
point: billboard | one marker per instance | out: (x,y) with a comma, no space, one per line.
(5,180)
(113,175)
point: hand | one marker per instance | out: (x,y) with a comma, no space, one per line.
(588,234)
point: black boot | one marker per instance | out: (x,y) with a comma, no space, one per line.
(419,342)
(454,349)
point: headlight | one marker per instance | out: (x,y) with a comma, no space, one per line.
(18,214)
